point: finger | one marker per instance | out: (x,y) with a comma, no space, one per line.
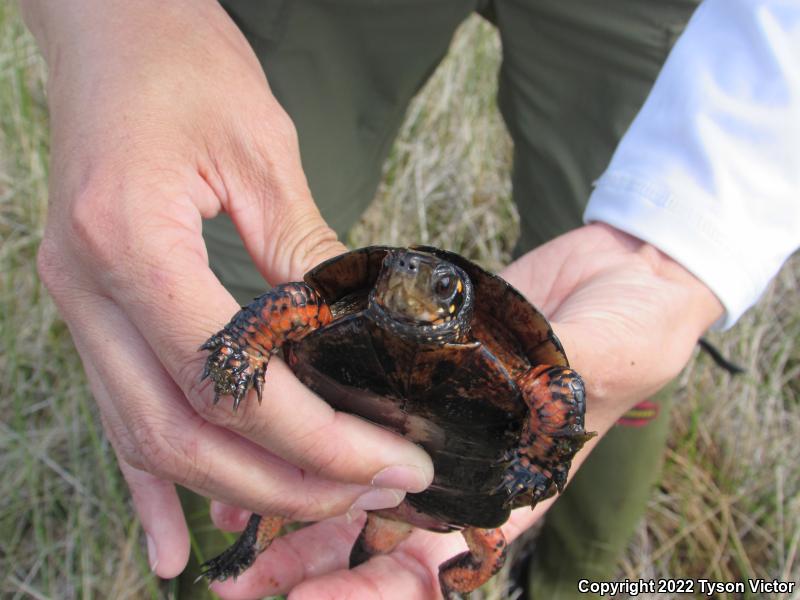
(176,302)
(159,510)
(303,429)
(168,439)
(155,501)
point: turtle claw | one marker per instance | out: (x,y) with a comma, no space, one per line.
(211,343)
(258,383)
(524,483)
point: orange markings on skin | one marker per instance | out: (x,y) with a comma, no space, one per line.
(486,556)
(381,535)
(268,530)
(325,315)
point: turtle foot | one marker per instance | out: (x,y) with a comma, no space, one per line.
(230,563)
(524,483)
(255,538)
(232,369)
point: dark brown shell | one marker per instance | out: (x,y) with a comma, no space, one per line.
(460,401)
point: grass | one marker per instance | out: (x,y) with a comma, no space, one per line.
(728,506)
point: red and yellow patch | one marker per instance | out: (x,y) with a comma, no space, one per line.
(640,415)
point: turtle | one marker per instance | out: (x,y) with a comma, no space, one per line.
(432,346)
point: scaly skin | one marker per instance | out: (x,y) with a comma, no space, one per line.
(551,436)
(241,350)
(470,570)
(256,538)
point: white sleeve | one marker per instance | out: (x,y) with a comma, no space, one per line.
(709,171)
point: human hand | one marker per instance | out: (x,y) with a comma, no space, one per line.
(628,317)
(161,116)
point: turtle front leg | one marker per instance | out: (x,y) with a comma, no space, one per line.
(241,350)
(470,570)
(551,436)
(255,538)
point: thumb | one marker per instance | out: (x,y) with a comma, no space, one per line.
(270,204)
(286,238)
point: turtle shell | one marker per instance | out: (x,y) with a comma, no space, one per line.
(459,401)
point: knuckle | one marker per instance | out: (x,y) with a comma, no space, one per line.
(156,449)
(216,414)
(124,446)
(128,451)
(306,241)
(197,392)
(93,228)
(313,508)
(282,125)
(200,395)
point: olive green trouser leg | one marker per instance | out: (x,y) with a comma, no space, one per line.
(573,76)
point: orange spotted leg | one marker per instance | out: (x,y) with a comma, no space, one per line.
(379,536)
(551,436)
(255,538)
(241,350)
(470,570)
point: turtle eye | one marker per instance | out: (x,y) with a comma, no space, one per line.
(444,286)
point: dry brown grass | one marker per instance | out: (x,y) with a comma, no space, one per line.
(728,506)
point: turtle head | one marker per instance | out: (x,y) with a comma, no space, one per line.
(422,295)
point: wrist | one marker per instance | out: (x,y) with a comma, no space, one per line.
(72,34)
(628,315)
(699,305)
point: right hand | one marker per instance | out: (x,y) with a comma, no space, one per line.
(161,116)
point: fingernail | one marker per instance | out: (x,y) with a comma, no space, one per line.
(228,517)
(152,554)
(404,477)
(375,500)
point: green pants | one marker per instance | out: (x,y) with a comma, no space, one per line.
(574,74)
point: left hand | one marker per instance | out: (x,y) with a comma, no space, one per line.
(628,317)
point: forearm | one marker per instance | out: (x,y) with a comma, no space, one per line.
(106,46)
(73,28)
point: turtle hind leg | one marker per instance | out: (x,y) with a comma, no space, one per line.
(255,538)
(551,436)
(470,570)
(380,535)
